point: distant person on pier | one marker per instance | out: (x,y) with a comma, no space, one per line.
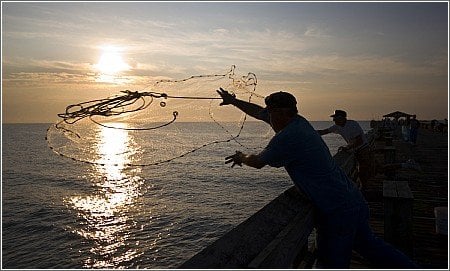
(433,124)
(414,125)
(341,212)
(356,140)
(438,126)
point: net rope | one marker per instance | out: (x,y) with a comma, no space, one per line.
(129,102)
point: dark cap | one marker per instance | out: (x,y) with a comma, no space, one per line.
(339,113)
(281,100)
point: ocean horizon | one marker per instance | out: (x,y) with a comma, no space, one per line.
(61,213)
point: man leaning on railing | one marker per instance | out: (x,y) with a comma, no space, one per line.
(341,212)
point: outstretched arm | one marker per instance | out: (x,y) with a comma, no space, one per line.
(250,160)
(323,132)
(356,142)
(251,109)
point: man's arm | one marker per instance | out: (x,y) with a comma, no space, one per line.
(240,158)
(353,144)
(356,142)
(251,109)
(323,132)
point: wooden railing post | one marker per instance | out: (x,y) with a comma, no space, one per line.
(397,203)
(389,158)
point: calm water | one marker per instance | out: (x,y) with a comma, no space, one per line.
(58,213)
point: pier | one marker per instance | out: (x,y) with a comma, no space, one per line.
(425,191)
(402,204)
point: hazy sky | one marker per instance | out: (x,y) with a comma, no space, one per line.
(366,58)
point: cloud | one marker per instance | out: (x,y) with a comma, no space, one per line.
(360,65)
(18,64)
(45,78)
(337,65)
(316,32)
(162,49)
(221,31)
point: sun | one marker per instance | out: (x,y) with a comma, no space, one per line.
(111,62)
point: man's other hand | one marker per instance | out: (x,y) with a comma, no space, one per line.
(235,158)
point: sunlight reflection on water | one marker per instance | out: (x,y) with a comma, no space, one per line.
(105,212)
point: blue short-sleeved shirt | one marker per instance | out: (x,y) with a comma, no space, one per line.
(306,157)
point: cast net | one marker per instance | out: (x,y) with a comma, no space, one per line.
(165,121)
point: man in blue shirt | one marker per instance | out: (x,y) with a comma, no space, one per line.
(342,214)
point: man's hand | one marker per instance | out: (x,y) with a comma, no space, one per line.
(226,96)
(235,158)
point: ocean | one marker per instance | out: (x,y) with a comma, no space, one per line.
(62,214)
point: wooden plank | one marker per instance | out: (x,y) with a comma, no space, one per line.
(388,140)
(403,190)
(238,247)
(389,189)
(389,156)
(389,217)
(397,202)
(283,250)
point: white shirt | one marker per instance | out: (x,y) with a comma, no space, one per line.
(349,131)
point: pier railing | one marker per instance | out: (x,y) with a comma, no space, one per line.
(274,237)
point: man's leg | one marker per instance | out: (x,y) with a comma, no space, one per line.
(335,235)
(333,251)
(365,166)
(378,252)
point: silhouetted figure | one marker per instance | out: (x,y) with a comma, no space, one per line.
(342,214)
(356,140)
(433,124)
(414,125)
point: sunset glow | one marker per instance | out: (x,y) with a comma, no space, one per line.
(106,211)
(368,58)
(111,62)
